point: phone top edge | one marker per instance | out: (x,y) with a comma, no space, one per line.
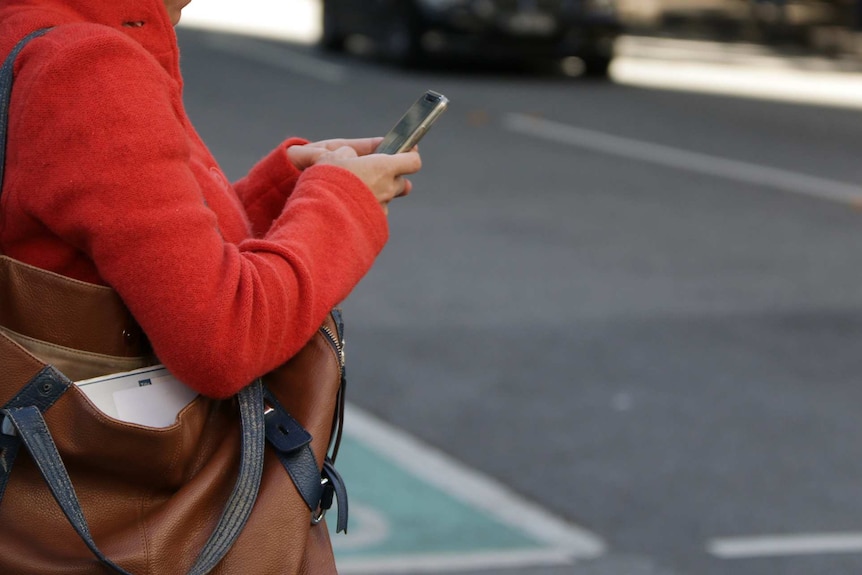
(437,96)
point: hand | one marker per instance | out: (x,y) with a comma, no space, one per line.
(382,173)
(307,155)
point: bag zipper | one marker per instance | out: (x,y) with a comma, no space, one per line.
(336,340)
(336,343)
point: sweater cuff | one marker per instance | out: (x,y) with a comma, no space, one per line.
(277,164)
(356,195)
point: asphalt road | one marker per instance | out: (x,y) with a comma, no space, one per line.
(631,306)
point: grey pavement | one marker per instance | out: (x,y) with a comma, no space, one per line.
(662,356)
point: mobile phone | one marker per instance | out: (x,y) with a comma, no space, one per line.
(414,124)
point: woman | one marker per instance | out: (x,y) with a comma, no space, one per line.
(107,182)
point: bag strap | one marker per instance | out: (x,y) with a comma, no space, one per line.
(23,417)
(30,426)
(6,77)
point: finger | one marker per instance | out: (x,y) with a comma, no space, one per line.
(333,144)
(337,155)
(406,188)
(407,162)
(305,155)
(399,164)
(365,146)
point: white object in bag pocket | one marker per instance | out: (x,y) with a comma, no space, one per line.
(149,396)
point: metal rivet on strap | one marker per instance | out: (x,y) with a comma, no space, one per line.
(130,337)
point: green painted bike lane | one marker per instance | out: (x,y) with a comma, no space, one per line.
(414,509)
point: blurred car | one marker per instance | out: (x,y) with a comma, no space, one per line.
(407,31)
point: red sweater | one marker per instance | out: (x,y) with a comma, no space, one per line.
(107,182)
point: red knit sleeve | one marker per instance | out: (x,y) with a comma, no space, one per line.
(102,160)
(266,187)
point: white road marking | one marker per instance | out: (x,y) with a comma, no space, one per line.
(564,541)
(438,563)
(748,173)
(373,529)
(785,545)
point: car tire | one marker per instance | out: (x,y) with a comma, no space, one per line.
(596,66)
(331,37)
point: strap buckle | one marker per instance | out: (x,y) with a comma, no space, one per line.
(326,497)
(7,427)
(332,488)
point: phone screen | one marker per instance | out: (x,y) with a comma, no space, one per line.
(414,124)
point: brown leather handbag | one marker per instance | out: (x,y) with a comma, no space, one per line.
(233,487)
